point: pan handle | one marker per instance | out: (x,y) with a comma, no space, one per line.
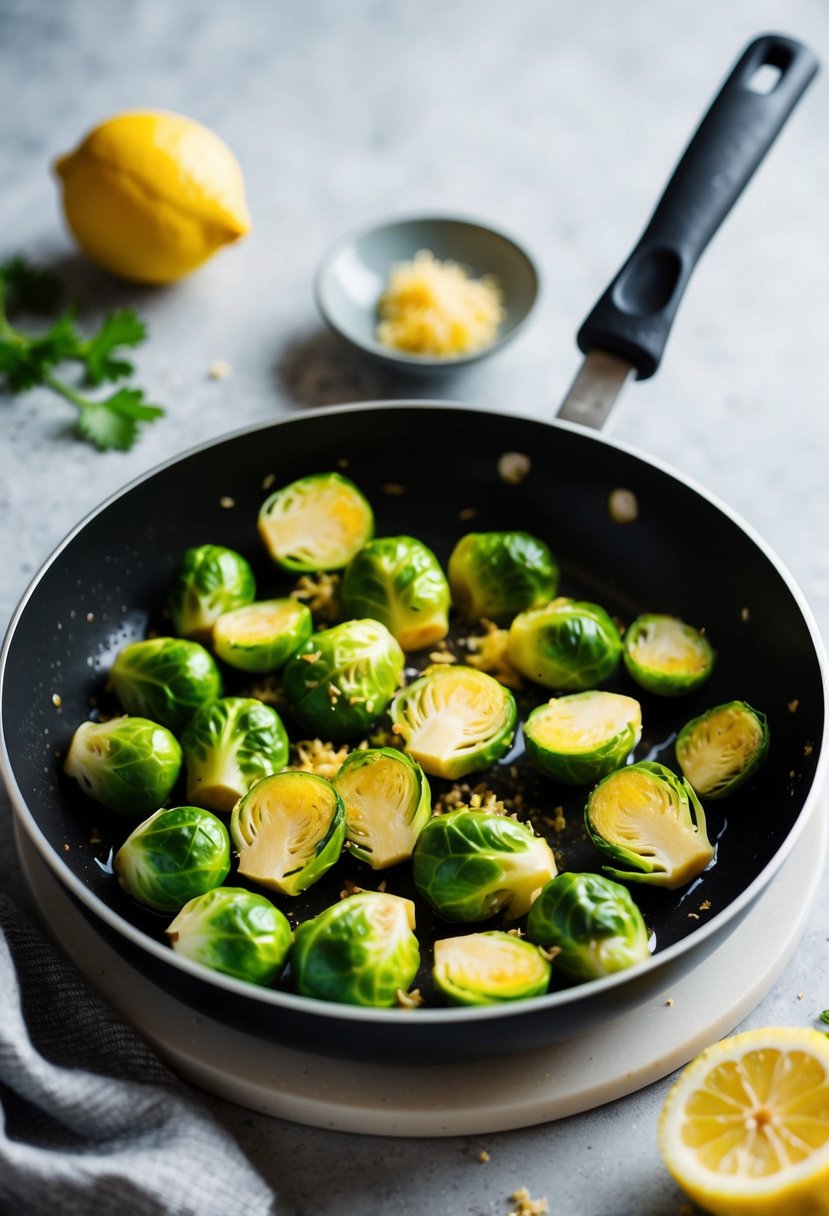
(633,318)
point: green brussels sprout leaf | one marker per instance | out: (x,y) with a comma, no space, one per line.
(489,969)
(666,656)
(569,645)
(387,803)
(289,830)
(651,821)
(230,744)
(722,748)
(592,924)
(360,951)
(165,679)
(579,738)
(496,575)
(129,765)
(455,720)
(233,931)
(397,580)
(174,856)
(260,637)
(315,523)
(471,865)
(210,580)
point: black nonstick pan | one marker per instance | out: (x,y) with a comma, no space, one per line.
(433,471)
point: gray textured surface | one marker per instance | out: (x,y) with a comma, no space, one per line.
(557,122)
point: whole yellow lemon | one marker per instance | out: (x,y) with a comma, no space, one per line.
(151,195)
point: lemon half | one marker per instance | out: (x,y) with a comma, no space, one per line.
(151,195)
(745,1129)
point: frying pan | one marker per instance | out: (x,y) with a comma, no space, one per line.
(685,554)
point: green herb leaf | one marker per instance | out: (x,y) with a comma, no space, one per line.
(120,328)
(26,361)
(112,424)
(29,288)
(824,1017)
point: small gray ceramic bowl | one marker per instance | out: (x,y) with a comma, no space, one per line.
(353,274)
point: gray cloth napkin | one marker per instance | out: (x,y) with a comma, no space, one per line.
(91,1122)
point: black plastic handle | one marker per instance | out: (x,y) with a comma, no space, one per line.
(634,316)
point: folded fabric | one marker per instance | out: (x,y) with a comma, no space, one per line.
(91,1122)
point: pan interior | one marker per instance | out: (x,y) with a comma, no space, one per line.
(433,473)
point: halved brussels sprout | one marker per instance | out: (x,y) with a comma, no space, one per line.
(165,679)
(489,968)
(233,931)
(397,580)
(666,656)
(315,523)
(470,865)
(455,720)
(230,744)
(722,748)
(579,738)
(360,951)
(592,923)
(260,637)
(289,830)
(129,765)
(651,821)
(174,856)
(387,802)
(341,680)
(569,645)
(496,575)
(210,580)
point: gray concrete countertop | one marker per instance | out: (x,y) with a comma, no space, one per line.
(559,123)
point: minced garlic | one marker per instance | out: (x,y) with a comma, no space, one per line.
(434,308)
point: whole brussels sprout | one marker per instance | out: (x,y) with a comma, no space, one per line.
(489,969)
(666,656)
(397,580)
(289,830)
(339,682)
(230,744)
(470,865)
(387,803)
(233,931)
(581,737)
(129,765)
(496,575)
(259,637)
(591,922)
(174,856)
(165,679)
(455,720)
(650,821)
(361,951)
(210,580)
(722,748)
(315,523)
(569,645)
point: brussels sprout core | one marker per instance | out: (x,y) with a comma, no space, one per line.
(650,820)
(289,830)
(397,580)
(387,802)
(591,922)
(470,865)
(260,637)
(455,720)
(569,645)
(664,655)
(315,523)
(174,856)
(233,931)
(361,951)
(229,744)
(129,765)
(210,580)
(488,968)
(496,575)
(722,748)
(582,737)
(165,679)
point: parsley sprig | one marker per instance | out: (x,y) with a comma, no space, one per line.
(33,360)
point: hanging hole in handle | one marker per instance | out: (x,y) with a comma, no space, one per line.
(648,282)
(765,79)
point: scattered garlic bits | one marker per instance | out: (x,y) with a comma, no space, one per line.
(513,467)
(435,309)
(525,1205)
(317,756)
(622,506)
